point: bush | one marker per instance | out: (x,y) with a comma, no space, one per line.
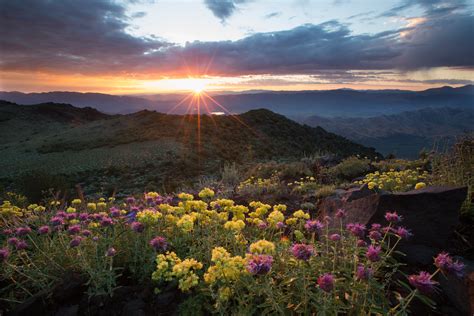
(39,185)
(349,169)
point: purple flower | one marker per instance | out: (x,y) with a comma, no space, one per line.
(43,230)
(71,216)
(302,251)
(76,241)
(60,213)
(393,217)
(110,252)
(130,200)
(21,244)
(313,226)
(137,227)
(340,213)
(375,226)
(7,232)
(326,282)
(74,229)
(373,253)
(4,254)
(83,216)
(13,241)
(106,221)
(159,243)
(259,264)
(280,225)
(262,225)
(422,282)
(57,221)
(356,229)
(86,233)
(403,232)
(114,212)
(445,263)
(364,273)
(387,230)
(95,238)
(361,243)
(335,237)
(375,235)
(22,231)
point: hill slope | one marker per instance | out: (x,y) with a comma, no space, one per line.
(157,146)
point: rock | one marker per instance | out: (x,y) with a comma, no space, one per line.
(67,311)
(460,291)
(35,305)
(70,289)
(431,214)
(134,307)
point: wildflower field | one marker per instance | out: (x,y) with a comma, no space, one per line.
(218,256)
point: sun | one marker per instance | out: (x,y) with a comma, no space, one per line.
(197,86)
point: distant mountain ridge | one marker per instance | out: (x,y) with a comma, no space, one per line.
(325,103)
(405,133)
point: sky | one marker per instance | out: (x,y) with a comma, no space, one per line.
(166,46)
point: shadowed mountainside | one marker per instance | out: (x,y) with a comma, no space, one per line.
(62,139)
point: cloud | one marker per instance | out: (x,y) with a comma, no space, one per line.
(90,37)
(223,9)
(272,15)
(432,7)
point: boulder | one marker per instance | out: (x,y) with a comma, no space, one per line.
(431,213)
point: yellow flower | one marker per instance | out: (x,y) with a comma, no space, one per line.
(70,210)
(76,202)
(206,193)
(301,214)
(420,185)
(149,216)
(185,196)
(262,247)
(92,206)
(275,217)
(186,223)
(236,226)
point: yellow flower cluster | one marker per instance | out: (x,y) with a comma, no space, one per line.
(36,208)
(236,225)
(8,210)
(149,216)
(76,202)
(304,185)
(169,266)
(222,204)
(185,196)
(226,269)
(151,195)
(186,223)
(92,206)
(260,209)
(394,180)
(275,217)
(206,193)
(262,247)
(238,211)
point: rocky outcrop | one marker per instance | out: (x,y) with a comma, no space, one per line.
(461,290)
(431,214)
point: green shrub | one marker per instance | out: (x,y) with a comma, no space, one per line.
(349,169)
(39,185)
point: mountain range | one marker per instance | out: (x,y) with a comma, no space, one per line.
(299,104)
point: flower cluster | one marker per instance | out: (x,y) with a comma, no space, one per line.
(396,181)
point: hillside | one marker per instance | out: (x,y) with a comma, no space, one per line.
(151,146)
(404,134)
(328,103)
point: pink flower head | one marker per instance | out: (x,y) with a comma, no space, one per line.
(326,282)
(106,221)
(393,217)
(375,235)
(137,227)
(302,251)
(280,225)
(262,225)
(445,263)
(114,212)
(83,216)
(8,232)
(403,232)
(110,252)
(361,243)
(375,226)
(61,213)
(259,264)
(373,253)
(335,237)
(74,229)
(76,241)
(356,229)
(313,226)
(13,241)
(57,221)
(130,200)
(4,254)
(71,216)
(43,230)
(364,273)
(21,244)
(340,213)
(22,231)
(422,282)
(86,233)
(159,243)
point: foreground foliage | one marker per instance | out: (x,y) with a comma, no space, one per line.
(238,259)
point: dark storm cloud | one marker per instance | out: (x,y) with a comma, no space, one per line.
(432,7)
(89,37)
(223,9)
